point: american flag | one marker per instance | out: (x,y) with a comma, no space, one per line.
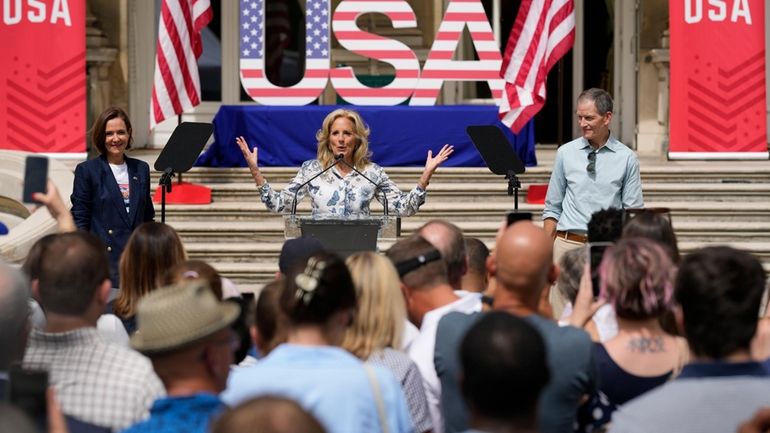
(252,55)
(370,45)
(543,32)
(440,67)
(176,87)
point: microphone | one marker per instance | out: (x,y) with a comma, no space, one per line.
(376,185)
(337,159)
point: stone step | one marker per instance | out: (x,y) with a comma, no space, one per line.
(246,239)
(484,191)
(711,202)
(672,172)
(491,210)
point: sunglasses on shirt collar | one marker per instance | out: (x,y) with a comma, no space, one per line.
(591,167)
(409,265)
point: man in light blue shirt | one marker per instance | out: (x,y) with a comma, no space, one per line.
(590,173)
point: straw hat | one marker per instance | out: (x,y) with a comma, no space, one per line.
(174,316)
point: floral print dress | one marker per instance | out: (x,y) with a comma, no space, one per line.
(348,196)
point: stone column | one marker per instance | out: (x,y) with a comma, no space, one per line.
(660,57)
(99,59)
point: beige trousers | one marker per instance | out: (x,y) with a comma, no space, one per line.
(557,301)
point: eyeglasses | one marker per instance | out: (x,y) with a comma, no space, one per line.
(629,214)
(591,168)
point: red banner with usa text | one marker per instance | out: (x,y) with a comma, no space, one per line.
(718,86)
(43,78)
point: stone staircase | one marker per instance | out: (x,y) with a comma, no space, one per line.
(710,202)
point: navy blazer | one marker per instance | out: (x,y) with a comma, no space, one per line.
(98,207)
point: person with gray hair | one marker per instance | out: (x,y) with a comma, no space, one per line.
(14,319)
(590,173)
(603,324)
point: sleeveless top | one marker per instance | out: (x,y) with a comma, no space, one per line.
(616,387)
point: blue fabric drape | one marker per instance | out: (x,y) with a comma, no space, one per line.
(400,136)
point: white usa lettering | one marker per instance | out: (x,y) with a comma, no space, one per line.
(36,11)
(716,11)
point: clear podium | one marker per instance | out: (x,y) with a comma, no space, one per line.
(343,236)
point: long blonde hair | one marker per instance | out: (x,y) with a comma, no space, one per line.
(361,154)
(379,320)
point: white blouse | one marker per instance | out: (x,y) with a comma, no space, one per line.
(347,196)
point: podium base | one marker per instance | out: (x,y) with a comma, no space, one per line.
(184,193)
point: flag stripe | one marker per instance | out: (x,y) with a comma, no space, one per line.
(544,31)
(454,36)
(176,85)
(177,33)
(440,66)
(394,15)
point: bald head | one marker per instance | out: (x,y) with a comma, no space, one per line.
(524,259)
(448,239)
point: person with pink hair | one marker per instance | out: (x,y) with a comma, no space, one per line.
(636,279)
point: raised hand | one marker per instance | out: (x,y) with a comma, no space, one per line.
(53,201)
(432,162)
(585,305)
(248,154)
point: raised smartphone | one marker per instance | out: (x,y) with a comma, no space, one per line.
(27,391)
(35,177)
(595,255)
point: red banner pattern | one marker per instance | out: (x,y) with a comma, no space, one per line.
(43,79)
(718,79)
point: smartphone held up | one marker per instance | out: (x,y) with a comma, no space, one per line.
(595,255)
(35,177)
(26,389)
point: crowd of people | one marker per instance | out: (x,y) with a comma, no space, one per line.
(533,332)
(408,341)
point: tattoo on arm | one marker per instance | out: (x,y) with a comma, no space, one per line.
(646,345)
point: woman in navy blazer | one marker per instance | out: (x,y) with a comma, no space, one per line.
(111,193)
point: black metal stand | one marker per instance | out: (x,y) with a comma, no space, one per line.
(179,154)
(513,188)
(165,184)
(499,156)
